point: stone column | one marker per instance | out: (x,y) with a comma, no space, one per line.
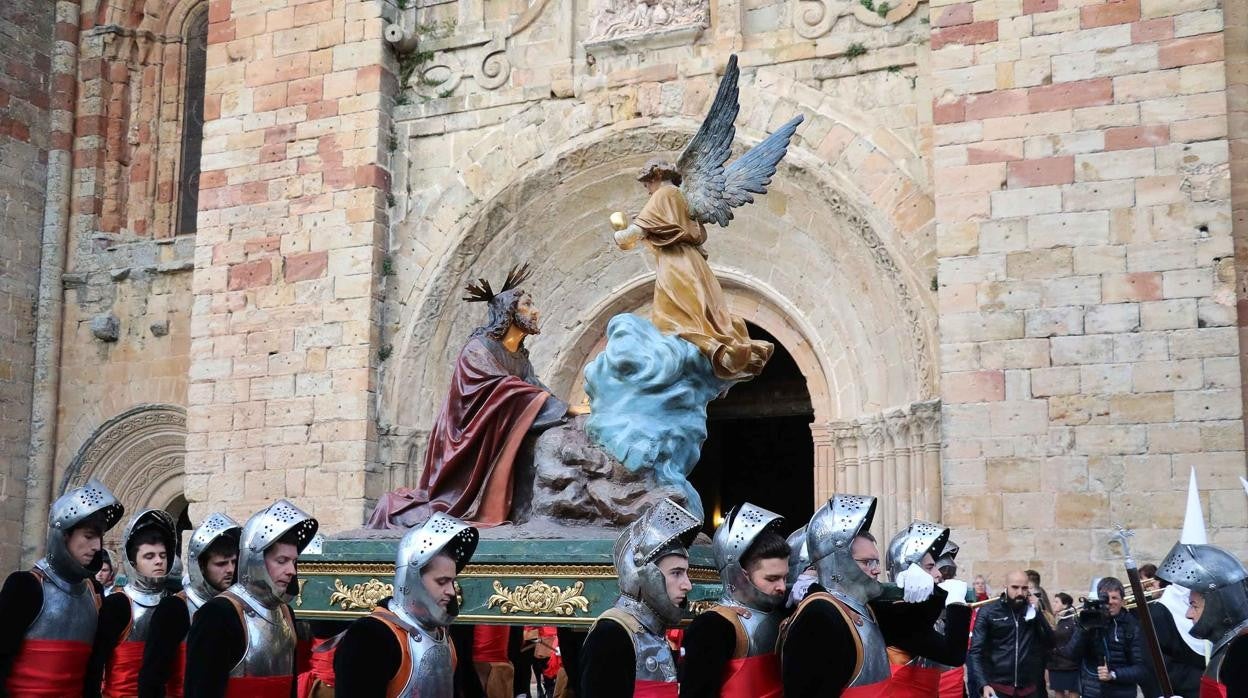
(292,227)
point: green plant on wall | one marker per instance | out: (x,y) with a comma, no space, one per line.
(414,63)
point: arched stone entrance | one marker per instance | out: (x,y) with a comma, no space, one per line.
(140,455)
(802,263)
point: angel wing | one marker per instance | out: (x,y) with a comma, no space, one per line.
(711,189)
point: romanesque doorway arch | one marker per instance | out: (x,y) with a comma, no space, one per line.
(140,455)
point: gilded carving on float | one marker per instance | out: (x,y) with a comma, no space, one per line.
(364,595)
(540,598)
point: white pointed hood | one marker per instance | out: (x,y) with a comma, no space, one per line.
(1175,598)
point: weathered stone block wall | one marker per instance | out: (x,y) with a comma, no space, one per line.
(288,254)
(1090,355)
(26,37)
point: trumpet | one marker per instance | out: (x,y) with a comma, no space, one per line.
(1128,603)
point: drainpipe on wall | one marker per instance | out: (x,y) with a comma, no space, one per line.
(44,404)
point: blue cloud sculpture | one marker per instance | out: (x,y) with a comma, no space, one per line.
(648,394)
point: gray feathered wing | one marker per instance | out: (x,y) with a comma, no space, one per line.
(711,189)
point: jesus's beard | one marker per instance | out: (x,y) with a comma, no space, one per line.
(527,325)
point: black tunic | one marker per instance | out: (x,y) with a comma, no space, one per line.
(608,663)
(367,659)
(216,643)
(21,600)
(819,637)
(167,631)
(709,644)
(1234,671)
(114,617)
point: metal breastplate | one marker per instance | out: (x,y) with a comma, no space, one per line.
(762,629)
(270,639)
(875,667)
(193,603)
(69,611)
(431,676)
(1220,650)
(142,606)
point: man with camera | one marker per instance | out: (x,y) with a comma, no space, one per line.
(1109,646)
(1009,644)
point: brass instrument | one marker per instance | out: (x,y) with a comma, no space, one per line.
(1128,603)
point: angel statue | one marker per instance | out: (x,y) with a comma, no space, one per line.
(699,189)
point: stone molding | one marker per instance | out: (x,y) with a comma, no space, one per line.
(137,454)
(647,24)
(813,19)
(893,454)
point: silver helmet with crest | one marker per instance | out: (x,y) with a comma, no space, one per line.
(738,531)
(666,528)
(1219,577)
(948,556)
(162,524)
(92,501)
(830,538)
(262,530)
(217,527)
(799,555)
(441,534)
(912,543)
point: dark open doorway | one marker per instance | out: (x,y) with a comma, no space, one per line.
(758,445)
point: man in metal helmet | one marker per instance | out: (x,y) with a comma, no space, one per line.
(730,650)
(149,541)
(919,659)
(403,648)
(48,614)
(835,642)
(212,560)
(1219,612)
(626,653)
(242,641)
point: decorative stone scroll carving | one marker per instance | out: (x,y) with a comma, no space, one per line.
(893,455)
(814,18)
(469,51)
(621,20)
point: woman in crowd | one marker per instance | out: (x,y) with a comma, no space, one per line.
(1063,672)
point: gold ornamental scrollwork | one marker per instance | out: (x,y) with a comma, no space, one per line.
(697,608)
(539,598)
(363,596)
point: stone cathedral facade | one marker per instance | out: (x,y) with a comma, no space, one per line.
(1007,251)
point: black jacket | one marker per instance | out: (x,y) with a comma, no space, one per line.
(1120,645)
(1182,664)
(1005,649)
(1062,633)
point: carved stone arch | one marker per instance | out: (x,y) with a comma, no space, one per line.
(139,454)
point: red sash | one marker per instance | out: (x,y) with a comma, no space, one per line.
(177,677)
(910,681)
(53,668)
(489,644)
(656,689)
(753,677)
(1212,689)
(259,687)
(320,669)
(875,690)
(121,676)
(953,683)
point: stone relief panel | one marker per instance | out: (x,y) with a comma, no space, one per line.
(620,19)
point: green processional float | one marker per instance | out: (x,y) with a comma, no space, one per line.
(551,485)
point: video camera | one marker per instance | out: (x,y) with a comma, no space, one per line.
(1094,614)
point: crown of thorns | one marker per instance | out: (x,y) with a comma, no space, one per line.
(481,292)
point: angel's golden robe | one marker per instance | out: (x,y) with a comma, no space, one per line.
(688,300)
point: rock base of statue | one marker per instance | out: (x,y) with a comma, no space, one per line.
(562,476)
(648,392)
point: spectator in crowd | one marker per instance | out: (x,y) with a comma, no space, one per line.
(1148,577)
(107,575)
(1009,644)
(1109,646)
(1033,578)
(1063,671)
(980,585)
